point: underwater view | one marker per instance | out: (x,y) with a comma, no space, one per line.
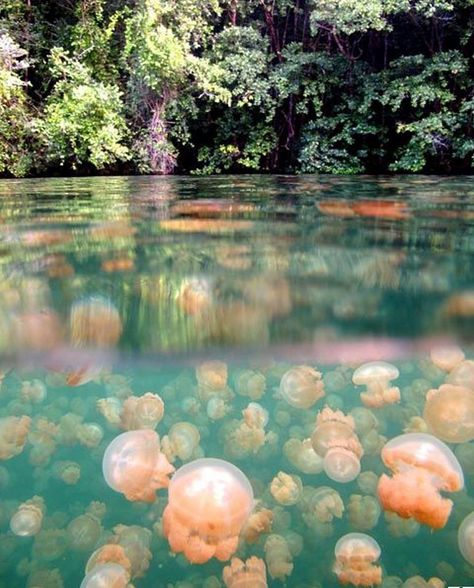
(237,381)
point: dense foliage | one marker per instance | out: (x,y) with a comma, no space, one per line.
(218,86)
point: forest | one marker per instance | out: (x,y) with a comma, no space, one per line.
(236,86)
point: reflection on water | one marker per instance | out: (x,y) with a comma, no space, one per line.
(296,328)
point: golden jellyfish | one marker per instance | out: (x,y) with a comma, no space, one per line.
(278,557)
(142,412)
(376,376)
(217,408)
(466,538)
(302,456)
(212,378)
(43,439)
(258,523)
(89,434)
(94,322)
(134,465)
(67,471)
(13,435)
(447,358)
(209,502)
(367,482)
(250,383)
(181,442)
(111,409)
(249,574)
(34,391)
(286,489)
(422,466)
(84,531)
(335,440)
(398,527)
(110,575)
(449,413)
(363,512)
(356,557)
(322,503)
(301,387)
(135,541)
(462,375)
(28,518)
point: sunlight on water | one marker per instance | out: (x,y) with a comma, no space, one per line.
(292,328)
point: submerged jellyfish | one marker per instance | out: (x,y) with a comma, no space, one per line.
(13,435)
(302,456)
(363,512)
(110,575)
(462,374)
(449,412)
(181,442)
(422,466)
(301,386)
(278,557)
(84,531)
(141,412)
(376,375)
(94,321)
(286,489)
(356,557)
(466,538)
(258,523)
(134,465)
(28,518)
(210,500)
(248,574)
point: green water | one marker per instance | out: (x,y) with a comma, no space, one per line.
(261,273)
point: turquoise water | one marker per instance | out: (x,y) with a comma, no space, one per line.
(114,287)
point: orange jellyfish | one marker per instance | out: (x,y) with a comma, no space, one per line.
(462,374)
(134,465)
(376,375)
(249,574)
(94,322)
(212,381)
(422,466)
(13,435)
(108,574)
(286,489)
(466,538)
(301,387)
(447,358)
(210,500)
(335,440)
(250,383)
(181,442)
(449,412)
(28,518)
(142,412)
(258,523)
(356,557)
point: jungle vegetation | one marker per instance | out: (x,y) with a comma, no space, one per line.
(236,86)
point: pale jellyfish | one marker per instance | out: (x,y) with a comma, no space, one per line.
(135,541)
(449,412)
(209,502)
(322,503)
(419,582)
(111,409)
(422,466)
(278,557)
(45,579)
(377,375)
(249,574)
(43,439)
(367,482)
(67,471)
(447,358)
(216,408)
(28,518)
(181,442)
(416,424)
(363,512)
(134,465)
(89,434)
(286,489)
(462,375)
(302,456)
(335,440)
(255,415)
(84,531)
(141,412)
(356,557)
(301,387)
(13,435)
(398,527)
(94,322)
(50,544)
(250,383)
(34,391)
(466,538)
(108,575)
(212,380)
(258,523)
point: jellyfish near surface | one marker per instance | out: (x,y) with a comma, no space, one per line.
(449,412)
(422,466)
(209,502)
(356,557)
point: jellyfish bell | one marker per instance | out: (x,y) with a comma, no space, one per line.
(447,358)
(449,413)
(209,502)
(134,465)
(301,387)
(356,557)
(107,575)
(341,464)
(377,375)
(466,538)
(422,466)
(27,520)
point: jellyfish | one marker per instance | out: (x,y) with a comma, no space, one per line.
(363,512)
(249,574)
(376,375)
(419,582)
(422,466)
(84,531)
(111,409)
(94,322)
(135,541)
(466,538)
(49,544)
(258,523)
(322,504)
(335,440)
(34,391)
(301,387)
(141,412)
(43,440)
(367,482)
(134,465)
(212,380)
(13,435)
(209,502)
(181,442)
(250,383)
(108,574)
(67,471)
(302,456)
(28,518)
(462,375)
(278,557)
(109,553)
(89,434)
(398,527)
(447,358)
(45,578)
(216,408)
(286,489)
(356,557)
(449,413)
(247,436)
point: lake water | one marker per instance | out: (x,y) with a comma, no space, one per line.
(211,293)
